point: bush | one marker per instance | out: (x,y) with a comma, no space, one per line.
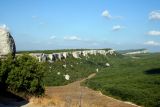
(5,67)
(23,74)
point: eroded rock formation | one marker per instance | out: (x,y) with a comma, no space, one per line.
(75,54)
(7,44)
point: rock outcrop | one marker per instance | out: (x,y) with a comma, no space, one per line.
(75,54)
(7,44)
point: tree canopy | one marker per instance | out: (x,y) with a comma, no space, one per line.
(22,74)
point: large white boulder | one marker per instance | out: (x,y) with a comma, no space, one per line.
(107,64)
(7,44)
(67,77)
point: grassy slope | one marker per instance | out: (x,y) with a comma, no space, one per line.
(76,68)
(131,79)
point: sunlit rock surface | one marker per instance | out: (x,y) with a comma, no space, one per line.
(7,44)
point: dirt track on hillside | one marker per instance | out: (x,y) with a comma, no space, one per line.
(74,95)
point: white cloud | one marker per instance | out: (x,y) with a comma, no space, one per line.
(53,37)
(106,14)
(72,38)
(154,33)
(154,15)
(117,27)
(4,26)
(152,43)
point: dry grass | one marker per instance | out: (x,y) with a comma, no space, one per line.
(56,102)
(46,102)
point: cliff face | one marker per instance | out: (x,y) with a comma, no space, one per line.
(7,44)
(75,54)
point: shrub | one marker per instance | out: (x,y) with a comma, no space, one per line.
(5,67)
(22,74)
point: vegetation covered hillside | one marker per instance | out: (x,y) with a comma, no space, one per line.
(134,78)
(75,68)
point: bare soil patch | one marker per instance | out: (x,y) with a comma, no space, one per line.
(75,95)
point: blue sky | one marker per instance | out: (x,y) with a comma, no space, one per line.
(59,24)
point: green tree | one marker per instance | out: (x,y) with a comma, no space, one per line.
(22,74)
(5,67)
(26,76)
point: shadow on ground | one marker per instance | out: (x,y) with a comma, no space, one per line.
(8,99)
(153,71)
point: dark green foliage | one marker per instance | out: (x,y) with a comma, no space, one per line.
(22,74)
(131,78)
(75,68)
(5,67)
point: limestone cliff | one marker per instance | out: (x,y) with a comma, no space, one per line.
(7,44)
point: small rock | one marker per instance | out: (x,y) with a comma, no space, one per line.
(67,77)
(107,64)
(58,73)
(65,66)
(97,70)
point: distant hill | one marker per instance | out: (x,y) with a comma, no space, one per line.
(57,50)
(133,51)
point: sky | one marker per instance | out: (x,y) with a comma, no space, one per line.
(63,24)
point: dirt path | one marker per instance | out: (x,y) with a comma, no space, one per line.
(74,95)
